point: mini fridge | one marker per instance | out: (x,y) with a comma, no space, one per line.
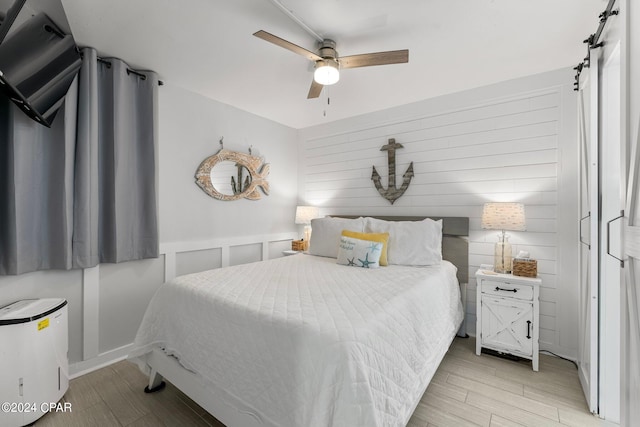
(34,368)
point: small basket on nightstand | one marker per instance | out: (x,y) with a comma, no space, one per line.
(525,267)
(299,245)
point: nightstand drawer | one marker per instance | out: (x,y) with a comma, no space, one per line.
(506,289)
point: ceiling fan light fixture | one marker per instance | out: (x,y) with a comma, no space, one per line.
(326,59)
(326,72)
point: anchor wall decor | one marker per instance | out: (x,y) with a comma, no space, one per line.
(391,193)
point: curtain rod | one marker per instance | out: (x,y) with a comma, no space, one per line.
(129,69)
(593,42)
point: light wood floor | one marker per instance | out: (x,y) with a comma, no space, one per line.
(467,390)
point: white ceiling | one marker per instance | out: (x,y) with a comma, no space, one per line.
(206,46)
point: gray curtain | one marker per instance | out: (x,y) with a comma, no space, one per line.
(83,191)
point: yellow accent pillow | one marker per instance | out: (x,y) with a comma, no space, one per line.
(371,237)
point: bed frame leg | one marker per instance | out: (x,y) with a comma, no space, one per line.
(155,382)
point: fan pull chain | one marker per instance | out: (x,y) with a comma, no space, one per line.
(324,113)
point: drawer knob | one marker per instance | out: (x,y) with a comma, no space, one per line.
(506,290)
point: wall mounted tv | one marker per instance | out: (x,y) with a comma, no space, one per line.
(38,56)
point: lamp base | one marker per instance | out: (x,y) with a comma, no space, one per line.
(307,233)
(502,255)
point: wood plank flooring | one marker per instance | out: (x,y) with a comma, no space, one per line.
(467,390)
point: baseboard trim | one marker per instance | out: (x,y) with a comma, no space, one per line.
(110,357)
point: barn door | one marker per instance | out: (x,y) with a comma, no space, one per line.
(630,339)
(612,184)
(589,236)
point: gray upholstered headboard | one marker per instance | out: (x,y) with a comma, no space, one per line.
(455,244)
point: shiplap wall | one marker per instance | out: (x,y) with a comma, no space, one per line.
(502,149)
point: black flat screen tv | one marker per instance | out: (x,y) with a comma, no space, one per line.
(38,56)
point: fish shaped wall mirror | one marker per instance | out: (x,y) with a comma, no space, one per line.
(231,175)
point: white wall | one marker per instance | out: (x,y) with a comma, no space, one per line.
(513,141)
(106,303)
(190,128)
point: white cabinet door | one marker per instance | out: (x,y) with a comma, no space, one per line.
(507,325)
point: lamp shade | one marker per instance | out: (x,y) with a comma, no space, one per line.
(304,214)
(503,216)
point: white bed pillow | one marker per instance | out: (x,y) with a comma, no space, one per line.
(326,233)
(359,253)
(416,243)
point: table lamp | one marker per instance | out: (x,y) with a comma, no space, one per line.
(503,216)
(304,215)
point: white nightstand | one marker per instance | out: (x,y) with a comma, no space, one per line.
(507,313)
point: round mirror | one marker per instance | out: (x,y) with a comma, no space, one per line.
(230,178)
(230,175)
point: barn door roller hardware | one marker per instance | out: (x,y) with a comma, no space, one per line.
(593,42)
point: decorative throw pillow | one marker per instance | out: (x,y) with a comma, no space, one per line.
(326,232)
(372,237)
(416,243)
(359,253)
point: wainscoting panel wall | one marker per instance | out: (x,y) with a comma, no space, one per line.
(124,288)
(196,261)
(503,149)
(116,295)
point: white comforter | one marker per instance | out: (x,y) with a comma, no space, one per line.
(301,341)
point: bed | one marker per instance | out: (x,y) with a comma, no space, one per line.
(304,341)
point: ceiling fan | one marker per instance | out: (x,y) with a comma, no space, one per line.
(328,63)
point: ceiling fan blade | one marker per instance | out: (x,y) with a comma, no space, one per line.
(287,45)
(314,90)
(379,58)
